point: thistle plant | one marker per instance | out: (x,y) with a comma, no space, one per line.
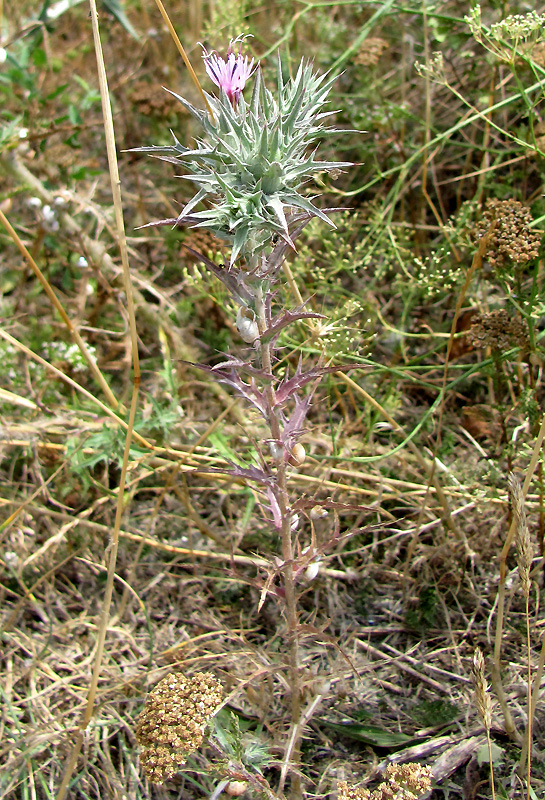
(253,159)
(249,167)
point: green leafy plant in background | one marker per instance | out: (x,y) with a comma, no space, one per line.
(53,11)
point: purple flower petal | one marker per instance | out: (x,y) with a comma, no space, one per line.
(232,73)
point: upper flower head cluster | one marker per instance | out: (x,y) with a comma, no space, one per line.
(517,33)
(519,26)
(255,156)
(230,74)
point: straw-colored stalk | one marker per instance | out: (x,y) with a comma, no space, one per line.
(112,554)
(510,726)
(57,305)
(523,546)
(183,54)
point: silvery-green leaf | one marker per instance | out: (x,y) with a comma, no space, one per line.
(191,204)
(239,242)
(276,204)
(306,205)
(199,115)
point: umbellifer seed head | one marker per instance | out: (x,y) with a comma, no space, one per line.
(172,721)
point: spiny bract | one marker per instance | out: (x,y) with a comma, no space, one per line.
(254,158)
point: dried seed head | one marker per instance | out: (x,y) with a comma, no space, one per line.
(413,779)
(151,103)
(499,330)
(202,241)
(371,51)
(512,240)
(482,695)
(523,543)
(402,782)
(348,791)
(172,721)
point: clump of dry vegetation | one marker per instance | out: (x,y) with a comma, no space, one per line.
(133,543)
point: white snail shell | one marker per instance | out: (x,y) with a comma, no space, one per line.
(247,325)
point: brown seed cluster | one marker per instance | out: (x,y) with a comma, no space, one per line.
(499,330)
(371,51)
(512,240)
(153,103)
(172,721)
(202,241)
(402,782)
(348,791)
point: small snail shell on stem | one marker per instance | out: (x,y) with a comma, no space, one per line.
(297,455)
(247,325)
(236,788)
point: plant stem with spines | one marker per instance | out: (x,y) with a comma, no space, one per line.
(265,350)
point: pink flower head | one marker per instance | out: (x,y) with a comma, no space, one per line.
(229,74)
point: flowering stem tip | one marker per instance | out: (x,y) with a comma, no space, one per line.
(232,73)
